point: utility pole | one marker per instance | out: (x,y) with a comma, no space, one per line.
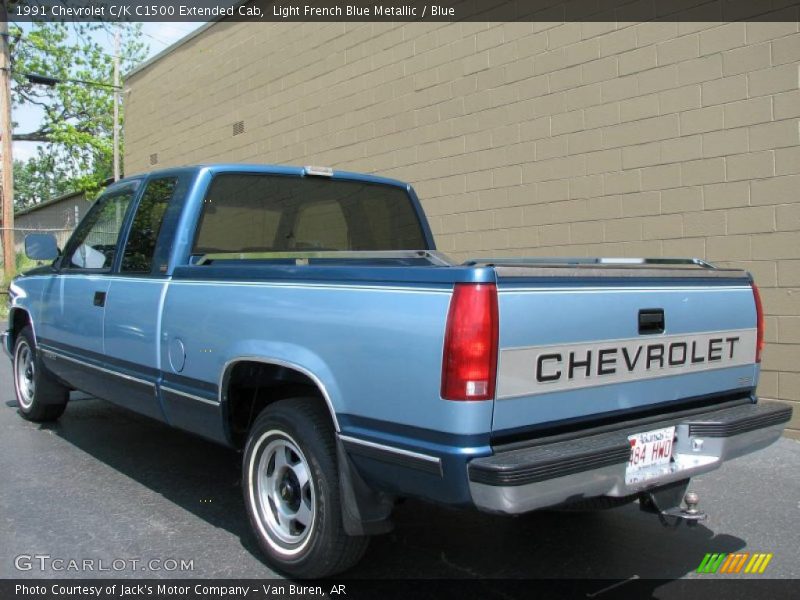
(116,104)
(9,256)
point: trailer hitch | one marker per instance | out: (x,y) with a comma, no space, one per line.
(672,517)
(666,503)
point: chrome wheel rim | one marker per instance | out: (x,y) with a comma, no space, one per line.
(286,494)
(25,371)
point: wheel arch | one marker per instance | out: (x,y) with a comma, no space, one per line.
(18,318)
(299,377)
(363,511)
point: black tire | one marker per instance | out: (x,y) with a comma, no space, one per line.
(39,396)
(294,507)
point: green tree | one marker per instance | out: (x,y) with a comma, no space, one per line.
(40,178)
(76,127)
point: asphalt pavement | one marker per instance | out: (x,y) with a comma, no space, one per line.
(104,485)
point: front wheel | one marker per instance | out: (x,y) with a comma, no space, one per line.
(291,489)
(39,396)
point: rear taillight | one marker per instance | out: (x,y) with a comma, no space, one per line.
(760,323)
(469,363)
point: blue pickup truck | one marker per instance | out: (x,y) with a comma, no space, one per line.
(303,316)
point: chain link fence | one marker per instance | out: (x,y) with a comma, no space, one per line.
(23,262)
(19,233)
(58,216)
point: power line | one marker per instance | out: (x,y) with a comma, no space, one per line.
(154,38)
(75,48)
(21,37)
(51,81)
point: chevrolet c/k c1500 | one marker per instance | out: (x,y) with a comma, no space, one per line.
(303,316)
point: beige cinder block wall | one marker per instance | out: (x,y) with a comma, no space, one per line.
(595,138)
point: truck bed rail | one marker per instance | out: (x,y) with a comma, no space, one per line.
(594,261)
(582,267)
(307,257)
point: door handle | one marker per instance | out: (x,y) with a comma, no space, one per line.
(651,320)
(99,298)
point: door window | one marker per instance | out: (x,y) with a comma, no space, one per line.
(94,243)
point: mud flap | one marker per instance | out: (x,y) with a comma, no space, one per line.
(364,511)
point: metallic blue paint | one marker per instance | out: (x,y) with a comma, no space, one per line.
(411,277)
(577,313)
(67,312)
(511,413)
(384,372)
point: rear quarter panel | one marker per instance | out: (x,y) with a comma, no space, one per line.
(376,349)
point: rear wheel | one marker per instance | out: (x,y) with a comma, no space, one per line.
(39,396)
(291,489)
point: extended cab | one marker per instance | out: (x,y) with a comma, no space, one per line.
(303,316)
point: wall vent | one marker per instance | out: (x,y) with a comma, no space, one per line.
(238,127)
(154,159)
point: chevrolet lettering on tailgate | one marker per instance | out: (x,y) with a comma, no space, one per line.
(551,368)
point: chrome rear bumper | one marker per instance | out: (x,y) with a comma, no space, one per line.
(551,474)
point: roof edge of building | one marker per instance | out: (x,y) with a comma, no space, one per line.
(56,200)
(177,44)
(167,51)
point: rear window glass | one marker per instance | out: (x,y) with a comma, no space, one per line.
(270,213)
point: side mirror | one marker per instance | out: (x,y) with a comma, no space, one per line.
(41,246)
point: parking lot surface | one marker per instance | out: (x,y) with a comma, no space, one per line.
(103,484)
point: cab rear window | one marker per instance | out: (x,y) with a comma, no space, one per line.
(256,213)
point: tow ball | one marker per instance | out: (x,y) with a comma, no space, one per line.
(665,502)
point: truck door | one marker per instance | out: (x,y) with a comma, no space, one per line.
(131,330)
(70,331)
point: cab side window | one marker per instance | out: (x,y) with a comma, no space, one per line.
(94,243)
(141,244)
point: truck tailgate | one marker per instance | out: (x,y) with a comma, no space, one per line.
(578,341)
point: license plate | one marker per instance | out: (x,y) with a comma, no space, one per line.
(651,453)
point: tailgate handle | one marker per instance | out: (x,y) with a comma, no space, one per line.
(651,320)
